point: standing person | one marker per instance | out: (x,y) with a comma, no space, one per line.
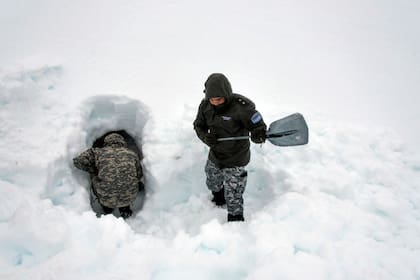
(226,114)
(115,171)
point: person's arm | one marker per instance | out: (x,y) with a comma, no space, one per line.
(139,174)
(86,161)
(258,129)
(254,122)
(200,126)
(139,169)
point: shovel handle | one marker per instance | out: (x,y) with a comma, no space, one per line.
(233,138)
(268,135)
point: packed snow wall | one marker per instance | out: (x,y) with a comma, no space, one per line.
(99,115)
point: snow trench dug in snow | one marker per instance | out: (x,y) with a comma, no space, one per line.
(100,115)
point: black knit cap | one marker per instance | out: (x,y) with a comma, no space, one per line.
(217,85)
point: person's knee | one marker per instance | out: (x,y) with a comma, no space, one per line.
(214,186)
(214,181)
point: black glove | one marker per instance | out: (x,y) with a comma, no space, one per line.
(258,135)
(211,139)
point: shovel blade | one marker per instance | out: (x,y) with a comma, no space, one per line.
(289,131)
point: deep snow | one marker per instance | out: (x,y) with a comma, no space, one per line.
(345,206)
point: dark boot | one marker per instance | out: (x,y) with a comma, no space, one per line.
(219,197)
(125,212)
(107,210)
(236,218)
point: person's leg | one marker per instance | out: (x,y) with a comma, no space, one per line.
(234,184)
(214,183)
(125,212)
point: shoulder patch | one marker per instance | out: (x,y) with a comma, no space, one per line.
(256,118)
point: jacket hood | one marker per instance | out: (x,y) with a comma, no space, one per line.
(114,139)
(217,85)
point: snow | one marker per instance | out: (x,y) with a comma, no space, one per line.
(345,206)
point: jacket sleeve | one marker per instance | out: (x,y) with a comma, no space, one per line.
(86,161)
(251,118)
(200,125)
(139,169)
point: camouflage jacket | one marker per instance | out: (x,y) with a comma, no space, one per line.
(115,171)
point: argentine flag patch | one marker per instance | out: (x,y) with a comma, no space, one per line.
(256,118)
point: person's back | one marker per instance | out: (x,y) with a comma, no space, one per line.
(118,180)
(115,171)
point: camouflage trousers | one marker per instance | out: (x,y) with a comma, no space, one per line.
(233,180)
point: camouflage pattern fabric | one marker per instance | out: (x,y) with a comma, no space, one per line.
(115,171)
(233,180)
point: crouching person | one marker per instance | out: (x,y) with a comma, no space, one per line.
(115,172)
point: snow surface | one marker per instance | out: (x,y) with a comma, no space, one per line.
(345,206)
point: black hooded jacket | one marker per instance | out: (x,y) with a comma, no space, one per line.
(236,117)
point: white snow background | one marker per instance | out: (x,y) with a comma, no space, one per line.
(345,206)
